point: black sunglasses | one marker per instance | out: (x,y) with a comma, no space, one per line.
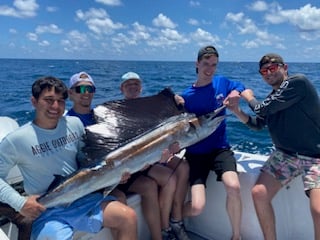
(84,88)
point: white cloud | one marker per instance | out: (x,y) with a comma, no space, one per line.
(121,40)
(98,21)
(32,37)
(172,35)
(20,9)
(52,28)
(310,36)
(51,9)
(44,43)
(76,41)
(243,24)
(110,2)
(235,17)
(167,37)
(248,27)
(203,37)
(259,6)
(135,36)
(250,44)
(193,22)
(254,36)
(163,21)
(92,13)
(12,31)
(274,18)
(139,32)
(307,18)
(194,3)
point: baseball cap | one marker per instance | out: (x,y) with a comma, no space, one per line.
(130,75)
(80,77)
(270,58)
(207,50)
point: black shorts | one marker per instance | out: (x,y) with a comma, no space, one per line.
(220,161)
(125,186)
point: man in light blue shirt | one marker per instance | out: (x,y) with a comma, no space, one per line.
(48,146)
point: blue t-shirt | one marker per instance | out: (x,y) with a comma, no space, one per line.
(87,119)
(205,99)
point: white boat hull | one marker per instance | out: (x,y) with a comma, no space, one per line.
(293,218)
(291,206)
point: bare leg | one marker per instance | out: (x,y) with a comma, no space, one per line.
(181,168)
(197,203)
(121,197)
(315,211)
(121,218)
(233,202)
(263,192)
(167,181)
(148,190)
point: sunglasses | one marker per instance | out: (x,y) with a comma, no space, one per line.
(84,88)
(272,68)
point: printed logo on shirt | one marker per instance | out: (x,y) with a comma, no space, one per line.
(275,96)
(46,147)
(219,99)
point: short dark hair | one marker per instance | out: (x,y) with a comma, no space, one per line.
(207,51)
(270,58)
(48,83)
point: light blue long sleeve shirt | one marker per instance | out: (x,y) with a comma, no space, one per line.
(39,154)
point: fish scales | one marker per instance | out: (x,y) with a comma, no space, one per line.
(186,129)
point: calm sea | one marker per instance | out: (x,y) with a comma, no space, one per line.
(17,76)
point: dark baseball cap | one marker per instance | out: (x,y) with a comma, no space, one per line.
(270,58)
(207,50)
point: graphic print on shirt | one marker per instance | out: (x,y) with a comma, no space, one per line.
(50,147)
(275,96)
(219,100)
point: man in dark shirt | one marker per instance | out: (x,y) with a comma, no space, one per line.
(292,114)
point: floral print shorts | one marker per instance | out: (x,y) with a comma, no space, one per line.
(285,167)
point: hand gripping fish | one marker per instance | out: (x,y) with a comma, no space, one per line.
(144,149)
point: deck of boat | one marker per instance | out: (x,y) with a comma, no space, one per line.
(294,220)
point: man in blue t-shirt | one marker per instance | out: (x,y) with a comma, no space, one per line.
(206,94)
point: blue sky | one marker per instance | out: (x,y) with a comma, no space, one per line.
(168,30)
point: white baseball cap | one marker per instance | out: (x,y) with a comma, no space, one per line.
(80,77)
(130,75)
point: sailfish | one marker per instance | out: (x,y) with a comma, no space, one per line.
(129,135)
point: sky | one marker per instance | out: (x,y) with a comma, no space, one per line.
(163,30)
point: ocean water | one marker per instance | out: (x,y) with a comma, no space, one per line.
(17,76)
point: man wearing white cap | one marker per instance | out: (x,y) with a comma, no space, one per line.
(171,175)
(81,93)
(131,85)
